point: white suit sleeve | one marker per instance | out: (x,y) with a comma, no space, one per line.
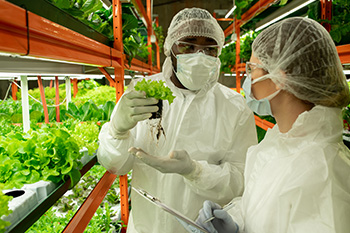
(220,182)
(113,153)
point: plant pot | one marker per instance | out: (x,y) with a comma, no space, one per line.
(158,114)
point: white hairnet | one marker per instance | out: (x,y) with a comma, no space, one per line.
(193,22)
(303,50)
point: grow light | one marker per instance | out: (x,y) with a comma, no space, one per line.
(230,12)
(285,14)
(233,74)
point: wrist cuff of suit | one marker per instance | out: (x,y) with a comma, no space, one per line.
(117,134)
(195,173)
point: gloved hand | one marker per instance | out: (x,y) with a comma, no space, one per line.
(132,108)
(177,162)
(222,223)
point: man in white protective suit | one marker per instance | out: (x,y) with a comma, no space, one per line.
(207,130)
(297,180)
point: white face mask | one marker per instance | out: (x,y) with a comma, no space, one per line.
(194,70)
(261,107)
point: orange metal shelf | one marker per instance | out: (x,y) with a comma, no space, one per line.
(253,11)
(49,40)
(344,53)
(137,65)
(264,124)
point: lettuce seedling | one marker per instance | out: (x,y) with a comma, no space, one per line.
(155,89)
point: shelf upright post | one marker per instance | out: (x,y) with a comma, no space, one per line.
(14,90)
(43,99)
(149,34)
(68,91)
(238,50)
(119,85)
(326,12)
(25,103)
(57,101)
(75,87)
(157,46)
(118,44)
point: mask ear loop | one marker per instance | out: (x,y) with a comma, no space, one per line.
(262,78)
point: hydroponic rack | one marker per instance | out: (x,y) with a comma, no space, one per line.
(27,35)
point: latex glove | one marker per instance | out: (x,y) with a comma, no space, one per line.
(222,223)
(132,108)
(176,162)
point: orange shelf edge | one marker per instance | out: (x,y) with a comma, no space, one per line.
(137,65)
(264,124)
(344,53)
(50,40)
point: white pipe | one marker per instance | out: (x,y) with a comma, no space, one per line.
(68,91)
(25,103)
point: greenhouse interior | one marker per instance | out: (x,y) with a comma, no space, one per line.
(65,64)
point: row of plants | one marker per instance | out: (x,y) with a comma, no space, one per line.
(228,53)
(52,152)
(81,108)
(93,14)
(105,218)
(48,152)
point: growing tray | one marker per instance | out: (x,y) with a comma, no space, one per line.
(49,11)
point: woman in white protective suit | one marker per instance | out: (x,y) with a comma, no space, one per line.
(297,180)
(208,126)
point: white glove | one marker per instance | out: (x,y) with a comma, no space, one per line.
(222,223)
(132,108)
(176,162)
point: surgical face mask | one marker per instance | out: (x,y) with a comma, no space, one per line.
(194,70)
(261,107)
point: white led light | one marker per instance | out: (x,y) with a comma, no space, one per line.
(230,12)
(284,15)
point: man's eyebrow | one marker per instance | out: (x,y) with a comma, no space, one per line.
(190,39)
(210,39)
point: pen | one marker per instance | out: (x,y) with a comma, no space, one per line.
(225,208)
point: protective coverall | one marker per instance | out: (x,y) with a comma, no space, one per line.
(214,126)
(299,181)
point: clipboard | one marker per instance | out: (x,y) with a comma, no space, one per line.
(188,224)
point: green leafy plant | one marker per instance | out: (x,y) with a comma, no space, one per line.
(4,210)
(45,154)
(228,58)
(155,89)
(135,45)
(99,95)
(158,31)
(340,22)
(89,12)
(246,46)
(89,111)
(228,53)
(60,214)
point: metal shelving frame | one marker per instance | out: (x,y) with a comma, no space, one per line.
(27,35)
